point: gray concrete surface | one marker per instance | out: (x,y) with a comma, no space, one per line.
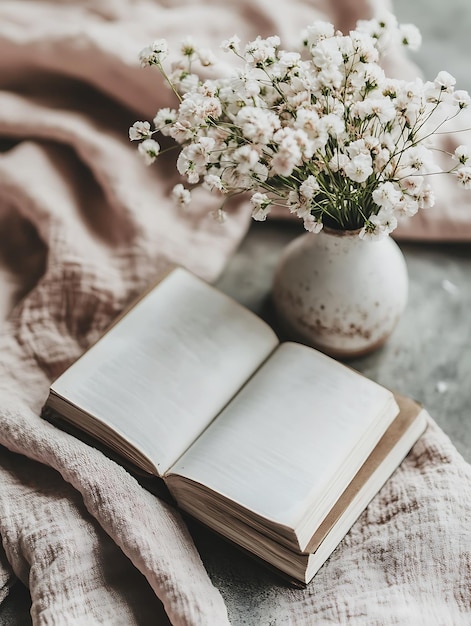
(428,356)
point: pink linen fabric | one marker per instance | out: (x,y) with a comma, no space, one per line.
(84,227)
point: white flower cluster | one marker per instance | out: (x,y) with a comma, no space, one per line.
(322,131)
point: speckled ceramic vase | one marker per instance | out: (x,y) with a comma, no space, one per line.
(339,293)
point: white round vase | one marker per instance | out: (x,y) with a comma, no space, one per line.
(339,293)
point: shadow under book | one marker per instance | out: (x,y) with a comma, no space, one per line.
(274,446)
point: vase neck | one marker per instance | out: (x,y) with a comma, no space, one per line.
(336,232)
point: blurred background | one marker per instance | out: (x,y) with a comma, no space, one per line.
(446,34)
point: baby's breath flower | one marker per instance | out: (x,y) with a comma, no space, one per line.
(246,158)
(250,86)
(461,98)
(140,130)
(261,52)
(381,108)
(287,157)
(386,195)
(339,161)
(260,206)
(213,182)
(431,92)
(360,44)
(181,195)
(308,120)
(366,78)
(407,206)
(462,154)
(155,53)
(149,149)
(305,144)
(294,201)
(382,159)
(359,168)
(420,159)
(463,174)
(312,224)
(385,220)
(411,184)
(257,125)
(410,36)
(185,81)
(194,157)
(206,57)
(196,108)
(326,134)
(231,44)
(330,77)
(356,148)
(164,118)
(289,59)
(380,225)
(368,230)
(445,81)
(260,173)
(182,130)
(309,187)
(327,54)
(317,32)
(333,125)
(383,30)
(188,47)
(426,198)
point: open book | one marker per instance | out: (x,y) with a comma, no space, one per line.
(275,446)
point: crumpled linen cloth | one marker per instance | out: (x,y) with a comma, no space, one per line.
(84,227)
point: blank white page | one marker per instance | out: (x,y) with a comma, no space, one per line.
(281,443)
(164,371)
